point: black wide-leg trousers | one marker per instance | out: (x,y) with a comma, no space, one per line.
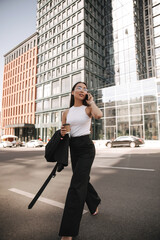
(80,190)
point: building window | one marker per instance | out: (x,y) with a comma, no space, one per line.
(68,56)
(45,118)
(46,104)
(39,106)
(68,45)
(76,78)
(63,70)
(73,42)
(63,58)
(65,84)
(73,66)
(39,92)
(79,64)
(68,68)
(65,102)
(55,103)
(55,88)
(74,53)
(79,38)
(79,51)
(47,90)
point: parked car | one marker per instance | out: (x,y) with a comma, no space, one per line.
(34,143)
(5,144)
(13,143)
(20,144)
(125,141)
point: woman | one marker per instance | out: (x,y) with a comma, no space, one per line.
(82,109)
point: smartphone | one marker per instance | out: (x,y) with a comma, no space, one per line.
(86,98)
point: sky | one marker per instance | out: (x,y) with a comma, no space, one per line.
(17,22)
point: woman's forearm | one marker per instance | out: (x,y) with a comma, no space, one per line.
(95,111)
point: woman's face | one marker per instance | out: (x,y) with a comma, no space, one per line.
(80,91)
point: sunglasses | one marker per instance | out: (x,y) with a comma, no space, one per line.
(79,88)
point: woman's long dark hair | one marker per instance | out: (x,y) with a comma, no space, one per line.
(72,97)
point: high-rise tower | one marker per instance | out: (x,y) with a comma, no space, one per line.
(70,49)
(132,45)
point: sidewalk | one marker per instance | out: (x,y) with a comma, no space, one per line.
(151,144)
(100,144)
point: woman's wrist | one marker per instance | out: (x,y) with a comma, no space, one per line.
(91,102)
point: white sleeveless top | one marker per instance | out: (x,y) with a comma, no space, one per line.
(79,121)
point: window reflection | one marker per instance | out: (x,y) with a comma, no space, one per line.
(138,119)
(135,98)
(109,112)
(108,96)
(138,116)
(136,109)
(121,111)
(110,121)
(122,100)
(110,132)
(149,97)
(150,107)
(151,130)
(109,101)
(123,129)
(137,131)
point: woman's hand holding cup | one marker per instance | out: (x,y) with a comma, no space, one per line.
(65,129)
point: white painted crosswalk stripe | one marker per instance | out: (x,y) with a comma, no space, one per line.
(126,168)
(41,199)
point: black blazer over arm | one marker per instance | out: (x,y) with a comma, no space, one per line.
(56,149)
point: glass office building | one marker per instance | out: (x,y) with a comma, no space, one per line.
(114,46)
(132,106)
(131,110)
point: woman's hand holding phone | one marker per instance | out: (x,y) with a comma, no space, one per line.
(89,98)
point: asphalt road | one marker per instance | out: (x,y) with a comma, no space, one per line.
(127,180)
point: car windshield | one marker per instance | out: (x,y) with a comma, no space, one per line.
(123,138)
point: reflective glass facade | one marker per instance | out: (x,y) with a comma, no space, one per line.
(132,64)
(131,109)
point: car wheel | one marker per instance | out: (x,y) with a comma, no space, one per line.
(109,145)
(132,144)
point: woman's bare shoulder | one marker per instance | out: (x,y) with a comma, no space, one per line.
(64,116)
(66,112)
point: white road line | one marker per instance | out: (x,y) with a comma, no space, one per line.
(125,168)
(41,199)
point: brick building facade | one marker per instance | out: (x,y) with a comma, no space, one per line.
(19,82)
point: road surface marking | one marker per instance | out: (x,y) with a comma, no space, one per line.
(125,168)
(41,199)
